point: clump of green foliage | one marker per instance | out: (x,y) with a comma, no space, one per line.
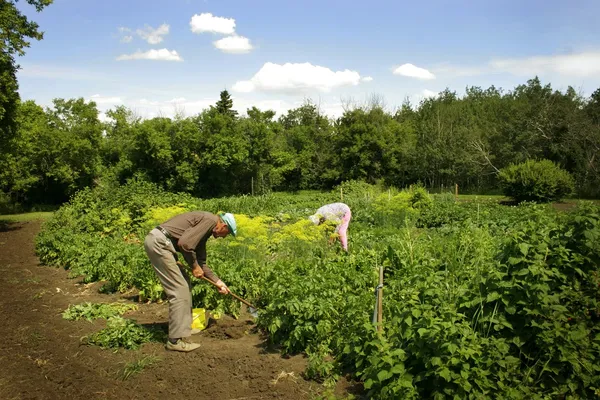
(123,333)
(540,181)
(92,311)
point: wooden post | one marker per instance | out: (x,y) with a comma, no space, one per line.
(456,191)
(252,185)
(380,301)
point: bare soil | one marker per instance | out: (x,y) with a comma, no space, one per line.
(42,356)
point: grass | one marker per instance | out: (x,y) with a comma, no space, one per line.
(138,366)
(482,197)
(26,216)
(499,198)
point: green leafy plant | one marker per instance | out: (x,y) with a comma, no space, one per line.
(540,181)
(123,333)
(92,311)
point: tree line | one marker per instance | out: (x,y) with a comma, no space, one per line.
(48,153)
(445,140)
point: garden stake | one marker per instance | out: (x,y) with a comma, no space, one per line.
(380,301)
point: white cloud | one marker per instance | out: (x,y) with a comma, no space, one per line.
(126,39)
(413,71)
(579,65)
(153,36)
(428,93)
(147,102)
(333,110)
(123,29)
(367,79)
(158,55)
(424,94)
(234,44)
(103,101)
(177,100)
(296,78)
(576,65)
(206,22)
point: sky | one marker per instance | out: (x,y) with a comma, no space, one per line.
(161,57)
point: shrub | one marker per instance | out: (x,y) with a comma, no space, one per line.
(539,181)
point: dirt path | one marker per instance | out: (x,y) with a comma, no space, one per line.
(41,356)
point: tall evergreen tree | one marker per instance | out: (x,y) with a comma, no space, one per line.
(225,105)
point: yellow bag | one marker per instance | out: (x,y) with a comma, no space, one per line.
(199,318)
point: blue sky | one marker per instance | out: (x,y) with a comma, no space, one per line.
(157,56)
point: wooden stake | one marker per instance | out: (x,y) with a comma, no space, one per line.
(252,185)
(456,191)
(380,301)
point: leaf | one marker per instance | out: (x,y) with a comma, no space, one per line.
(383,375)
(445,373)
(422,331)
(492,296)
(397,369)
(514,261)
(408,320)
(524,247)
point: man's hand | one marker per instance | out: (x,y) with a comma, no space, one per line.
(197,271)
(223,289)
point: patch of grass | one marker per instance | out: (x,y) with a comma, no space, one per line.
(138,366)
(91,311)
(26,216)
(36,337)
(574,201)
(482,197)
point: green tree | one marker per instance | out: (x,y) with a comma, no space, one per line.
(224,105)
(304,149)
(372,146)
(15,30)
(118,145)
(258,130)
(21,172)
(55,152)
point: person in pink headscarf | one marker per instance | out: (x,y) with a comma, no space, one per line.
(336,212)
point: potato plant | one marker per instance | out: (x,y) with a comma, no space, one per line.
(480,300)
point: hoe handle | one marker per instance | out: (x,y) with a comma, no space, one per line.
(237,297)
(215,285)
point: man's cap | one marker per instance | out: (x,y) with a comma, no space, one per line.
(229,220)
